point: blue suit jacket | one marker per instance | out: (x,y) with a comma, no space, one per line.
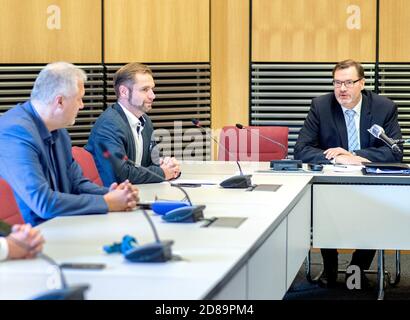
(325,127)
(114,132)
(25,164)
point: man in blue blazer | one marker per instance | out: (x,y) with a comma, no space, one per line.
(125,130)
(335,131)
(35,152)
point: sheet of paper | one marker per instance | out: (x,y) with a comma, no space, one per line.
(346,168)
(195,181)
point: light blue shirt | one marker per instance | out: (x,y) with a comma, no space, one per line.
(357,108)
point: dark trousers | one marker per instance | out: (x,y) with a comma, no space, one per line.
(361,258)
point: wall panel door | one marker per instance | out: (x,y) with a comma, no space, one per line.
(43,31)
(313,30)
(230,63)
(156,31)
(394,31)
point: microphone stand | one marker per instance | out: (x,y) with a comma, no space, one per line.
(277,165)
(190,213)
(160,251)
(378,132)
(241,181)
(239,126)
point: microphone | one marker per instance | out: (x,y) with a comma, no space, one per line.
(402,141)
(173,211)
(65,292)
(277,165)
(159,251)
(241,181)
(378,132)
(239,126)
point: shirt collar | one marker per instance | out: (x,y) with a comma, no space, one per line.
(132,119)
(45,134)
(357,108)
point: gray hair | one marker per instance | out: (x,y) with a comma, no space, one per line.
(58,78)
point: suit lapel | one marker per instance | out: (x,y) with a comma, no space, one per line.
(130,148)
(340,123)
(365,122)
(146,138)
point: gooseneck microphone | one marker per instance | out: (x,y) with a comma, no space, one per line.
(173,211)
(158,251)
(239,126)
(242,181)
(65,292)
(378,132)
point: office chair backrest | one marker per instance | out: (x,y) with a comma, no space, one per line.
(9,211)
(246,146)
(87,164)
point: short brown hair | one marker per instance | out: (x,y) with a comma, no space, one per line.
(347,64)
(126,75)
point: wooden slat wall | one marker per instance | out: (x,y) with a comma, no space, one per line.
(156,30)
(311,31)
(25,37)
(394,31)
(229,62)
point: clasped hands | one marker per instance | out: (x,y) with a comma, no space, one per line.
(170,166)
(24,242)
(342,156)
(122,197)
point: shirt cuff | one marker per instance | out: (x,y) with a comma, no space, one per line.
(4,249)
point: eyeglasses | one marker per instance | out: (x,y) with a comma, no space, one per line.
(347,83)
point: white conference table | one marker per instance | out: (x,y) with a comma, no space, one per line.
(353,211)
(258,260)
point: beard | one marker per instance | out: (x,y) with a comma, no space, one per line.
(144,108)
(345,100)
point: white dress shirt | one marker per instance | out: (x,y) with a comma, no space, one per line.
(4,249)
(139,142)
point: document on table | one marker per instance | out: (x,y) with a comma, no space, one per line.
(387,171)
(346,168)
(194,182)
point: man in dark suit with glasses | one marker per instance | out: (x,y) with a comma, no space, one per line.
(335,131)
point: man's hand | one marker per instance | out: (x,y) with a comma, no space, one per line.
(170,166)
(350,160)
(122,197)
(24,242)
(334,152)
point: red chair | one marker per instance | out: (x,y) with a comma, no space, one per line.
(9,211)
(87,164)
(247,144)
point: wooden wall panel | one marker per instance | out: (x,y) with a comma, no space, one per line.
(156,30)
(312,30)
(26,37)
(394,31)
(230,62)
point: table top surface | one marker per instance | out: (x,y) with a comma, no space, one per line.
(209,255)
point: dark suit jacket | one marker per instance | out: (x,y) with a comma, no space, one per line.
(325,127)
(114,132)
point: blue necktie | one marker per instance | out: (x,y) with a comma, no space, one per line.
(352,137)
